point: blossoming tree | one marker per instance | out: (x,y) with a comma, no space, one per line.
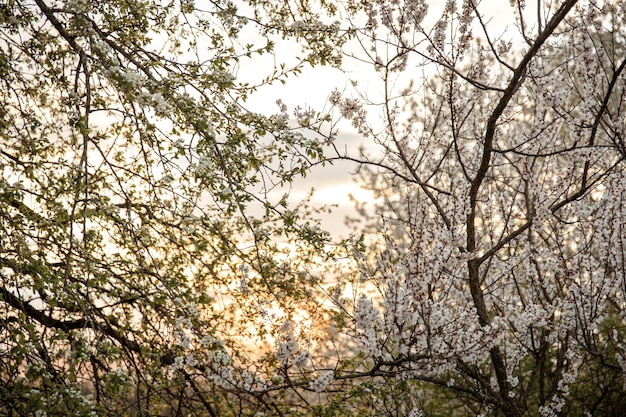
(497,284)
(142,251)
(149,265)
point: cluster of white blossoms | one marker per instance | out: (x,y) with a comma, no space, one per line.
(439,33)
(289,350)
(415,11)
(132,79)
(351,109)
(222,77)
(220,371)
(300,359)
(222,376)
(180,361)
(533,316)
(154,100)
(559,399)
(305,116)
(183,334)
(67,395)
(313,26)
(282,118)
(204,166)
(367,320)
(416,412)
(105,52)
(396,16)
(322,381)
(119,374)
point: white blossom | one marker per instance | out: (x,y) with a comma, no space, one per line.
(415,412)
(322,381)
